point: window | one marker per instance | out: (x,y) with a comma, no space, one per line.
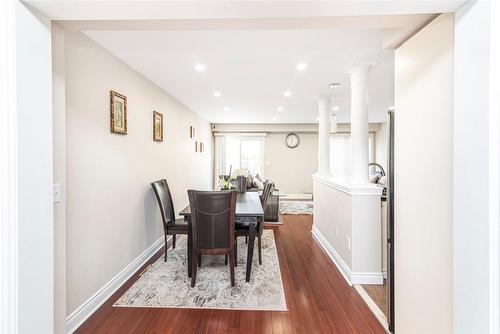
(233,151)
(341,154)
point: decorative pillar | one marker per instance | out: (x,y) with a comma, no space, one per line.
(359,124)
(324,136)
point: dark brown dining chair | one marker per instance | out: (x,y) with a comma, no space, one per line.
(243,226)
(213,215)
(171,226)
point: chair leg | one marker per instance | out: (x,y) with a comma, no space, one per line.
(173,241)
(246,239)
(194,268)
(231,267)
(225,260)
(199,261)
(165,247)
(236,252)
(259,239)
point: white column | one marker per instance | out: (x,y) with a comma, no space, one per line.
(359,124)
(324,136)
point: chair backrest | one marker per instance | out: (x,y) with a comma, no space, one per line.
(165,203)
(213,214)
(266,192)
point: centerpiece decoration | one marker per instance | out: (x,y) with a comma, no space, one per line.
(237,180)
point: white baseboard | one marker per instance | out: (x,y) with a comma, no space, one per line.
(84,311)
(350,277)
(334,256)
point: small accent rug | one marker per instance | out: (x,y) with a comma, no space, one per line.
(296,207)
(166,284)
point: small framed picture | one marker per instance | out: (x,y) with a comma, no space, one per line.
(157,126)
(196,146)
(192,132)
(201,147)
(118,113)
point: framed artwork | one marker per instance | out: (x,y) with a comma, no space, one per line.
(201,147)
(118,113)
(192,132)
(157,126)
(196,146)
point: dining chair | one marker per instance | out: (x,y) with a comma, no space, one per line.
(213,215)
(243,226)
(171,226)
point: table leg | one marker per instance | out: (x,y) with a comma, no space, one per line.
(190,249)
(251,242)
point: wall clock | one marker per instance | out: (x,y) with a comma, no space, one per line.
(292,140)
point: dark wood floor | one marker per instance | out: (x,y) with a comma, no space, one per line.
(318,298)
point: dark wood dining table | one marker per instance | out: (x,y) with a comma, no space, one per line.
(248,207)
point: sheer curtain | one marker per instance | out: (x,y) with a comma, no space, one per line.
(239,150)
(340,154)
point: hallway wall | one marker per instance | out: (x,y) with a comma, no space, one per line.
(111,212)
(424,180)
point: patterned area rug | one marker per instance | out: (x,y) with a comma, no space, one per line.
(166,284)
(296,207)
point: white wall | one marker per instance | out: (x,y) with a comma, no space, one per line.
(381,146)
(292,169)
(472,154)
(111,212)
(34,105)
(59,150)
(424,180)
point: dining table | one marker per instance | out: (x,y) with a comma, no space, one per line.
(249,208)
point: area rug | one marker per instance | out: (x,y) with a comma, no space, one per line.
(296,207)
(165,284)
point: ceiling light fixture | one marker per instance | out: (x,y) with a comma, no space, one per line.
(275,118)
(199,67)
(301,66)
(217,93)
(280,108)
(335,108)
(287,93)
(227,108)
(334,85)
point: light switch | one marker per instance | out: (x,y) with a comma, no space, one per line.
(57,193)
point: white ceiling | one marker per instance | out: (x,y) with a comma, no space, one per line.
(253,68)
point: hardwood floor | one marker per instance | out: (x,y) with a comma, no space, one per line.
(378,294)
(318,298)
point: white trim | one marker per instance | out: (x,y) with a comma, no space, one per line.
(373,307)
(334,256)
(370,189)
(8,172)
(84,311)
(367,278)
(494,167)
(350,277)
(240,134)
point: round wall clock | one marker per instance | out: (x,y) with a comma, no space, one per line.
(292,140)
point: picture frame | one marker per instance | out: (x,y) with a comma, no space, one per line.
(196,146)
(201,147)
(192,132)
(118,113)
(157,126)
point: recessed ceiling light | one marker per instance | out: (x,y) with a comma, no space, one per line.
(227,108)
(199,67)
(334,85)
(317,119)
(301,66)
(275,118)
(217,93)
(287,93)
(336,108)
(280,108)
